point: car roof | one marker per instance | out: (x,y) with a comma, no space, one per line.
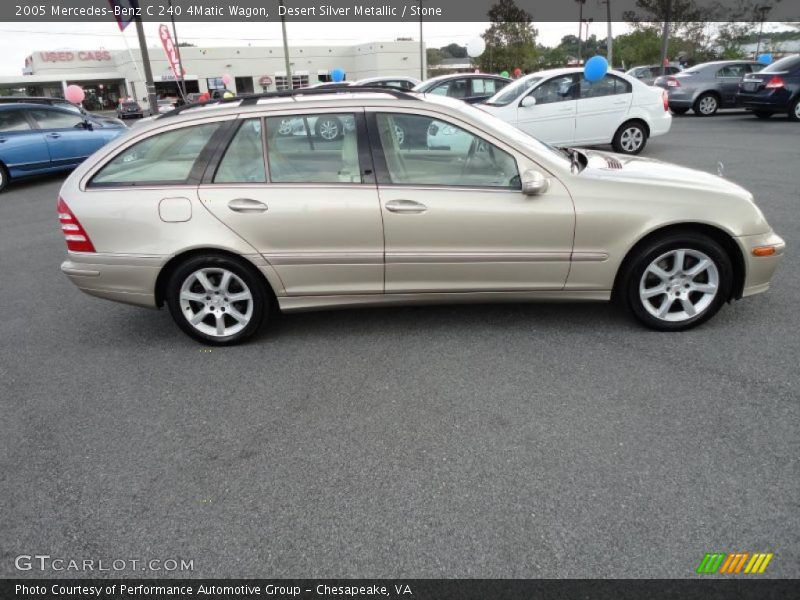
(335,98)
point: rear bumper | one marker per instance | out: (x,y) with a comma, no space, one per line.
(762,102)
(759,269)
(127,279)
(661,125)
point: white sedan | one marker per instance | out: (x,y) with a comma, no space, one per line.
(562,108)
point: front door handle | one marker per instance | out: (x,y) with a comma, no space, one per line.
(247,205)
(405,206)
(54,136)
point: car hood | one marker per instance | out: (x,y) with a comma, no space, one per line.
(636,169)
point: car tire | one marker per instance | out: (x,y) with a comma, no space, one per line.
(666,295)
(706,104)
(217,300)
(4,177)
(794,110)
(762,114)
(630,138)
(679,111)
(328,128)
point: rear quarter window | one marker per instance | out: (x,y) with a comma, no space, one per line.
(163,158)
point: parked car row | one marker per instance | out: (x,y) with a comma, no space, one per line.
(708,87)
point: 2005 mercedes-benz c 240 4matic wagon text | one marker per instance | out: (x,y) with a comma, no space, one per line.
(211,211)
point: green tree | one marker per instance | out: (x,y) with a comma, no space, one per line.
(510,39)
(639,47)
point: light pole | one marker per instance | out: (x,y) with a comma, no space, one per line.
(289,82)
(665,37)
(421,46)
(764,10)
(580,26)
(609,37)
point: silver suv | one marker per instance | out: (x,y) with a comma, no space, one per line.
(216,214)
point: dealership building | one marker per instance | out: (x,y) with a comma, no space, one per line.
(108,75)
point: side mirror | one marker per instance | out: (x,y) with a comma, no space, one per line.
(87,125)
(528,101)
(534,183)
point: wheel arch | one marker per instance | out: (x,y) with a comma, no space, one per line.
(635,119)
(719,235)
(178,259)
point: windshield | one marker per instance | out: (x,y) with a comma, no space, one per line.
(513,91)
(787,63)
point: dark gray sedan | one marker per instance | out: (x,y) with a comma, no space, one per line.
(707,87)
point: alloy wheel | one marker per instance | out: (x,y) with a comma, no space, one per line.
(328,129)
(631,139)
(285,128)
(708,105)
(797,110)
(679,285)
(216,302)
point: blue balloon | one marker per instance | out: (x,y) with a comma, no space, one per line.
(764,59)
(337,75)
(595,68)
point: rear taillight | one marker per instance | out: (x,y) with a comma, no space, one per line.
(673,82)
(665,99)
(775,82)
(74,233)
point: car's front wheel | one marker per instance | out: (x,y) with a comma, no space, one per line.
(678,281)
(3,177)
(630,138)
(217,300)
(706,105)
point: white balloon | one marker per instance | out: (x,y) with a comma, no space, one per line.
(475,47)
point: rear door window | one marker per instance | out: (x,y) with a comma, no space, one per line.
(313,148)
(164,158)
(243,161)
(13,120)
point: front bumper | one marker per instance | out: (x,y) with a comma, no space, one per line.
(759,269)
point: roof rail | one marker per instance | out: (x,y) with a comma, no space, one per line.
(251,99)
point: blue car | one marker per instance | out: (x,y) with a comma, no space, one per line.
(775,89)
(36,139)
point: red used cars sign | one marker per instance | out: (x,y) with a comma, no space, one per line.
(172,52)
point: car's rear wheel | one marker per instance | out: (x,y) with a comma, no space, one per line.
(679,111)
(630,138)
(794,110)
(706,105)
(3,177)
(678,281)
(328,128)
(217,300)
(762,114)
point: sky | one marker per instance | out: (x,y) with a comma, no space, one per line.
(18,40)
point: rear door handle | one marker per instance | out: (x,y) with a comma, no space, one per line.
(620,102)
(54,136)
(247,205)
(405,206)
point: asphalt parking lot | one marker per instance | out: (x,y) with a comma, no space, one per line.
(468,441)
